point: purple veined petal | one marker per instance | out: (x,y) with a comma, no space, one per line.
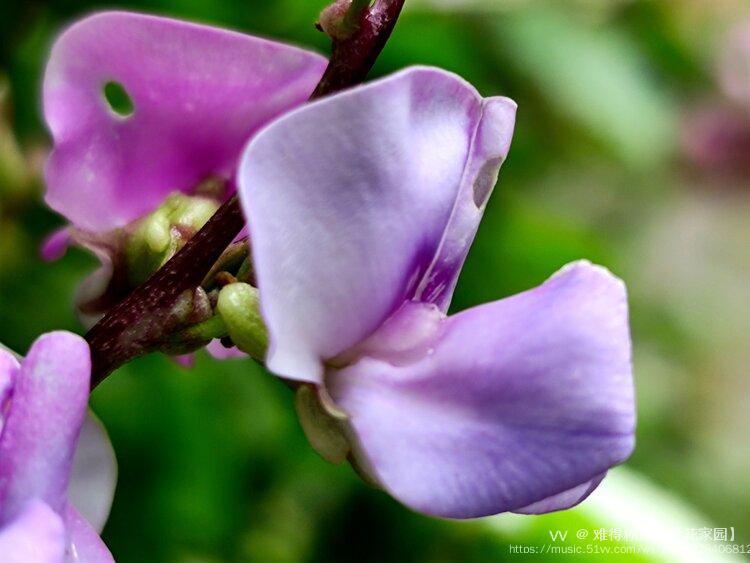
(56,244)
(94,473)
(564,500)
(346,220)
(85,544)
(198,93)
(36,535)
(47,410)
(519,400)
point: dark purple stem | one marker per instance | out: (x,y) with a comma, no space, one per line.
(141,321)
(353,57)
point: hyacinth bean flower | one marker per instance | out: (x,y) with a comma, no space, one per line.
(361,208)
(196,95)
(48,476)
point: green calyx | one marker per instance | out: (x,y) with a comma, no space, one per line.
(324,427)
(155,238)
(203,332)
(238,306)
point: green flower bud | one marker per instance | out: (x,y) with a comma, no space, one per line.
(238,306)
(154,239)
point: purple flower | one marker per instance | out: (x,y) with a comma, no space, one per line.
(361,209)
(43,402)
(198,94)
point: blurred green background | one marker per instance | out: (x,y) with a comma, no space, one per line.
(630,150)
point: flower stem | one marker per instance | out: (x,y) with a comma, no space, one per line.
(139,322)
(353,57)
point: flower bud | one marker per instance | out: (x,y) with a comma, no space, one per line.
(238,307)
(341,18)
(157,237)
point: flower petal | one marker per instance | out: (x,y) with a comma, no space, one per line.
(94,474)
(47,410)
(564,500)
(85,544)
(197,92)
(220,352)
(489,148)
(56,244)
(352,199)
(8,369)
(518,400)
(37,535)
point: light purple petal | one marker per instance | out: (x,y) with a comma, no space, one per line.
(94,474)
(518,400)
(352,199)
(564,500)
(37,535)
(198,94)
(47,410)
(85,544)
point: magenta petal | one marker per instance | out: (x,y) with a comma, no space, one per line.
(517,401)
(85,544)
(198,94)
(36,535)
(47,410)
(56,244)
(352,199)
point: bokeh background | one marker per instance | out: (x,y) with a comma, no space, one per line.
(632,149)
